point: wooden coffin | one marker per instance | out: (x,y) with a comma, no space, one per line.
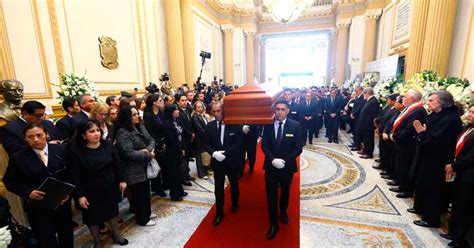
(250,104)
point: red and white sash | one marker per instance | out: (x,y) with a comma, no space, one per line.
(462,141)
(404,114)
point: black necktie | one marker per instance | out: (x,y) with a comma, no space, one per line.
(219,130)
(280,132)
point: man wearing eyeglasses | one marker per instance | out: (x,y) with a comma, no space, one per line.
(281,144)
(11,135)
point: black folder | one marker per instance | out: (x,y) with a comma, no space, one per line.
(55,190)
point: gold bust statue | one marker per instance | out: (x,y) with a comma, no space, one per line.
(12,91)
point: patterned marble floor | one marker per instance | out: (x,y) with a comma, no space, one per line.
(344,203)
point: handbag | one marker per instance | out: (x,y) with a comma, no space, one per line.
(152,169)
(205,158)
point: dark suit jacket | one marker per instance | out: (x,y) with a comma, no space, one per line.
(358,105)
(26,171)
(199,126)
(65,127)
(295,111)
(185,122)
(289,149)
(405,132)
(12,137)
(368,113)
(463,164)
(333,107)
(232,147)
(311,110)
(78,119)
(154,128)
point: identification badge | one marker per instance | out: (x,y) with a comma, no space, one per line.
(294,112)
(230,134)
(289,135)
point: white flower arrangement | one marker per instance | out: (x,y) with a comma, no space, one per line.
(72,86)
(370,79)
(5,237)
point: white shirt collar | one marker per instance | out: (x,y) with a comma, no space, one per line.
(45,149)
(276,122)
(85,112)
(23,119)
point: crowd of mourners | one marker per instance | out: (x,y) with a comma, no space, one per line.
(104,150)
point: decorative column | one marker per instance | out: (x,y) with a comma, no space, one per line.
(188,41)
(228,54)
(257,57)
(342,46)
(262,61)
(175,42)
(419,16)
(249,36)
(331,64)
(371,16)
(438,37)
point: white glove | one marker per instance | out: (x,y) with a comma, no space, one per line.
(218,155)
(278,163)
(245,129)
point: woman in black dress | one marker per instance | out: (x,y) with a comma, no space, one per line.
(174,151)
(153,121)
(96,174)
(27,169)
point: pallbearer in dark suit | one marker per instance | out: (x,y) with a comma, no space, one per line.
(281,145)
(308,115)
(333,106)
(64,125)
(381,121)
(26,171)
(224,143)
(32,112)
(365,124)
(294,106)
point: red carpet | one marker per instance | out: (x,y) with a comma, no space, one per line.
(249,226)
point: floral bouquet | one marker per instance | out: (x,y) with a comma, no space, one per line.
(385,88)
(5,236)
(349,84)
(370,79)
(418,82)
(72,86)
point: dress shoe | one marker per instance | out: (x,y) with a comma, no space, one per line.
(187,183)
(272,232)
(384,173)
(184,194)
(402,195)
(377,160)
(355,149)
(365,156)
(424,224)
(392,184)
(412,210)
(329,141)
(395,189)
(177,199)
(217,220)
(150,223)
(160,193)
(311,142)
(336,141)
(453,244)
(251,171)
(284,218)
(446,236)
(360,152)
(122,242)
(190,178)
(235,209)
(152,216)
(386,177)
(377,167)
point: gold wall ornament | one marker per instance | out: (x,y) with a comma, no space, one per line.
(108,52)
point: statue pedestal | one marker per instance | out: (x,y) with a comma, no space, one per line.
(250,104)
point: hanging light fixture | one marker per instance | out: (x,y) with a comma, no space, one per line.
(285,11)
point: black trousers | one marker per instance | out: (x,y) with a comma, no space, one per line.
(140,202)
(463,212)
(45,224)
(429,202)
(250,143)
(307,131)
(367,137)
(220,172)
(315,125)
(404,160)
(272,181)
(332,127)
(383,153)
(390,155)
(355,133)
(175,178)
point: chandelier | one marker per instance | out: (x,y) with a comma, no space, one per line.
(286,11)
